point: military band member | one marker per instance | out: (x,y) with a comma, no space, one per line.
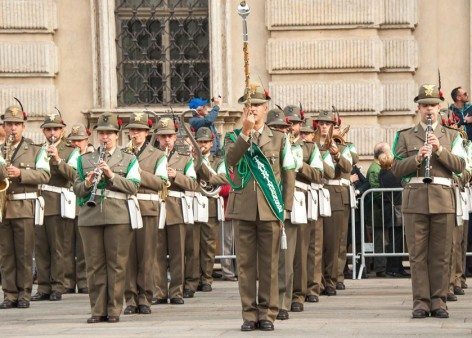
(106,228)
(49,238)
(74,258)
(25,166)
(308,256)
(276,120)
(294,116)
(338,188)
(139,285)
(428,208)
(257,225)
(204,245)
(307,132)
(171,239)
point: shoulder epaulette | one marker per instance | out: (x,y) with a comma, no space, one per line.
(402,130)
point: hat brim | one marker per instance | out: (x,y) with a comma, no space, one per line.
(77,138)
(242,100)
(136,126)
(326,119)
(428,101)
(294,119)
(204,139)
(278,123)
(107,128)
(165,132)
(52,125)
(306,130)
(14,119)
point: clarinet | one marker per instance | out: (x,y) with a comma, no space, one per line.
(427,170)
(98,176)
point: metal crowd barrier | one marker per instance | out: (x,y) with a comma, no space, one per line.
(386,239)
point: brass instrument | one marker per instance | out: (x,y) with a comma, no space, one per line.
(341,137)
(165,190)
(208,189)
(48,143)
(427,170)
(6,182)
(98,176)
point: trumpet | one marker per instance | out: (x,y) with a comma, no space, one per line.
(97,177)
(49,143)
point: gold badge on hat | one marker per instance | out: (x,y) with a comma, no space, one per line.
(52,117)
(428,90)
(14,112)
(137,116)
(75,130)
(164,123)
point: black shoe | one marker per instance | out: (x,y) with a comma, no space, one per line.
(381,274)
(55,296)
(404,273)
(8,304)
(296,307)
(69,291)
(329,291)
(451,297)
(312,299)
(216,275)
(204,288)
(464,285)
(248,325)
(96,319)
(157,301)
(282,315)
(458,291)
(340,286)
(23,304)
(439,313)
(176,301)
(266,325)
(188,293)
(419,313)
(130,310)
(40,296)
(113,319)
(144,310)
(83,290)
(229,278)
(395,274)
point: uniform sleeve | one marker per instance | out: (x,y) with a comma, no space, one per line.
(328,165)
(403,165)
(130,183)
(41,174)
(68,168)
(288,174)
(345,160)
(79,183)
(454,160)
(312,171)
(234,151)
(187,180)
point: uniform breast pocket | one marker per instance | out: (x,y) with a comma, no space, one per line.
(412,149)
(119,169)
(272,156)
(27,165)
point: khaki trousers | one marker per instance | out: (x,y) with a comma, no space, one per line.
(286,258)
(170,240)
(455,270)
(139,282)
(192,256)
(261,240)
(429,239)
(208,233)
(49,253)
(300,264)
(465,239)
(332,228)
(315,258)
(342,256)
(106,250)
(16,247)
(74,259)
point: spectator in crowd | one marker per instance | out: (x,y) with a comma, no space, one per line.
(462,108)
(204,118)
(392,202)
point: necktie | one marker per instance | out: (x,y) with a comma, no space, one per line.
(256,137)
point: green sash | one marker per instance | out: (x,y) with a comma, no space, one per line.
(255,164)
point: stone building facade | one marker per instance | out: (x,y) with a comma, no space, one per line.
(366,57)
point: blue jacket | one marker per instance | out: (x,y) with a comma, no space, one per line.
(197,121)
(461,113)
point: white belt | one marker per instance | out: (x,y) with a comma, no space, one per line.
(316,186)
(51,188)
(436,180)
(148,197)
(112,194)
(176,194)
(23,196)
(341,181)
(302,185)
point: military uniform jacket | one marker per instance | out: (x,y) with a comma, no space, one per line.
(62,175)
(339,195)
(215,179)
(180,183)
(27,158)
(426,198)
(307,174)
(108,210)
(150,183)
(242,203)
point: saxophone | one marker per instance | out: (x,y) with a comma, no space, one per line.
(6,182)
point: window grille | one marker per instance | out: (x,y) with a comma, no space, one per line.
(163,51)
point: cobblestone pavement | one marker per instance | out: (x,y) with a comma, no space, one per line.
(370,307)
